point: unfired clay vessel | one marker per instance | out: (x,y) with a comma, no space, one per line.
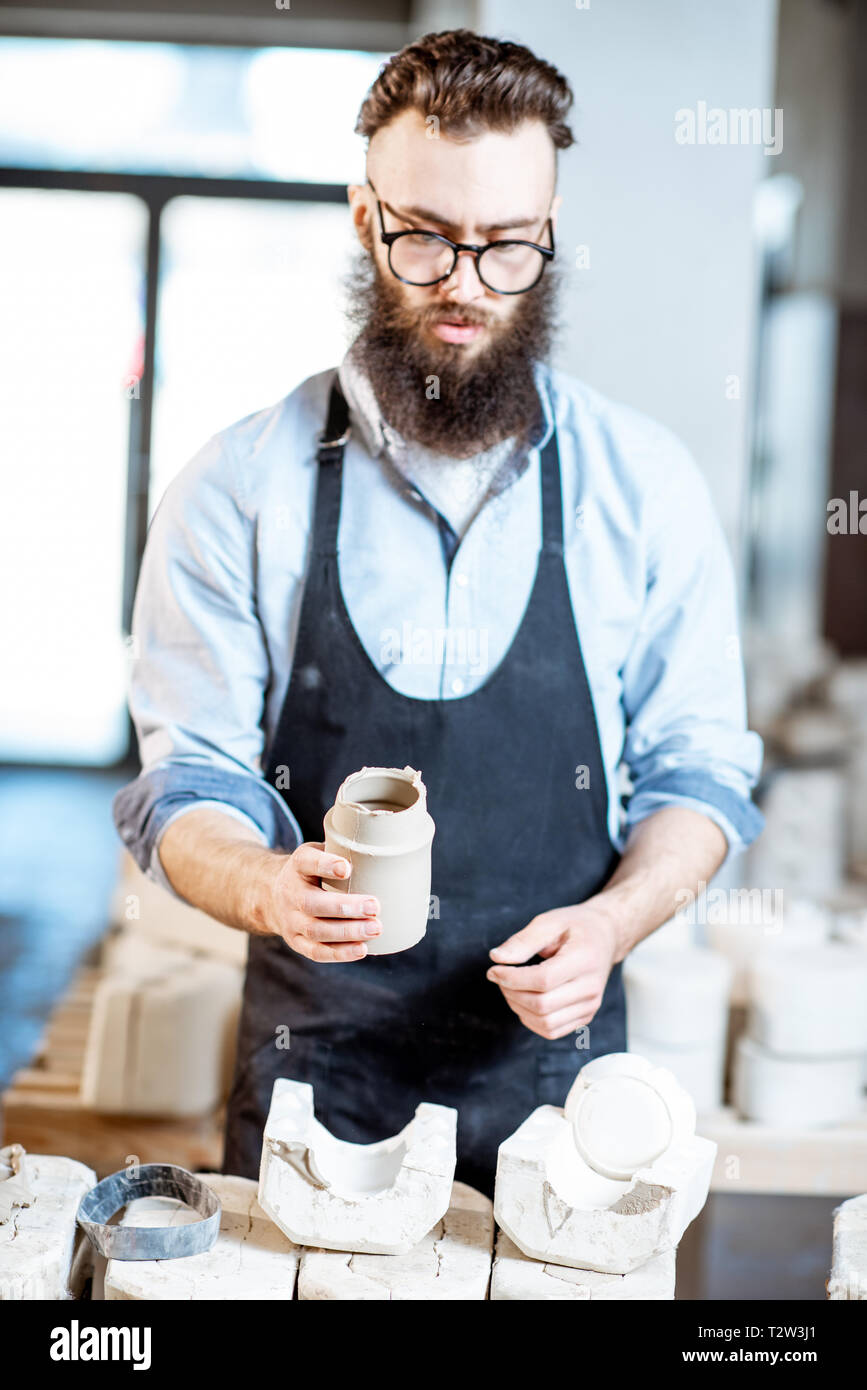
(380,823)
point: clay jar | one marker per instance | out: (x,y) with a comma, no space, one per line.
(380,823)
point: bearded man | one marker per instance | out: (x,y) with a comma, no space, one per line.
(448,555)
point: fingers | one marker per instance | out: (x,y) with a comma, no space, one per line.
(319,902)
(355,929)
(542,932)
(540,978)
(552,1023)
(321,924)
(323,951)
(575,994)
(310,859)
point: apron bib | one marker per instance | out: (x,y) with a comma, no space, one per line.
(514,838)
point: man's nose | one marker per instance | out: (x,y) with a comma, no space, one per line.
(463,285)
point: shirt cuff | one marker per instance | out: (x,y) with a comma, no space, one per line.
(737,817)
(144,808)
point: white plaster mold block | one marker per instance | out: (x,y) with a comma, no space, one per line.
(452,1262)
(802,848)
(380,823)
(250,1259)
(848,1281)
(378,1199)
(796,1092)
(162,1034)
(39,1199)
(611,1180)
(516,1277)
(679,996)
(810,1003)
(850,926)
(758,926)
(145,909)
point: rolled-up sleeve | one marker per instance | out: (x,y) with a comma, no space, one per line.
(687,741)
(199,667)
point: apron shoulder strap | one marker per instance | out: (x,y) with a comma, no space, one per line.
(329,458)
(552,497)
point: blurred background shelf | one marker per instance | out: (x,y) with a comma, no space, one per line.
(42,1107)
(816,1162)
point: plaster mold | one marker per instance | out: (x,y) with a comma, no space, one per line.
(515,1277)
(380,823)
(39,1197)
(612,1179)
(802,924)
(802,848)
(812,732)
(677,1016)
(161,1036)
(850,927)
(453,1261)
(796,1092)
(378,1199)
(810,1003)
(678,997)
(848,1281)
(143,908)
(846,689)
(250,1259)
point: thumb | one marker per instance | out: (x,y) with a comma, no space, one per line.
(529,941)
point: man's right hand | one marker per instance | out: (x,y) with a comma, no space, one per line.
(219,864)
(315,922)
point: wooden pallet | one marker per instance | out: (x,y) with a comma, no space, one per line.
(42,1108)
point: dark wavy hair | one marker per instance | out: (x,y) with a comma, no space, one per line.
(470,83)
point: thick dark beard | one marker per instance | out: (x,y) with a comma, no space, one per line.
(480,402)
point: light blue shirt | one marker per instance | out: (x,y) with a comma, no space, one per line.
(649,575)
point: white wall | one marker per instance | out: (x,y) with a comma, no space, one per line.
(665,313)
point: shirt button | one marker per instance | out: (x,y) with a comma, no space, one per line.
(462,579)
(457,686)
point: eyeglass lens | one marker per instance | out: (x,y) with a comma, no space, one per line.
(422,260)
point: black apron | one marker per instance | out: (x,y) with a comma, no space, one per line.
(514,837)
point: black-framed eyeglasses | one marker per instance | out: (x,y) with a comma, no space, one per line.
(422,258)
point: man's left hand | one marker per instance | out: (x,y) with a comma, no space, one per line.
(578,946)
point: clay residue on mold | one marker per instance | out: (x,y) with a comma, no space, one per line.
(643,1197)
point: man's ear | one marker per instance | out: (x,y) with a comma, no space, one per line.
(361,213)
(555,208)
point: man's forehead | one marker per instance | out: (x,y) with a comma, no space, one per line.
(496,175)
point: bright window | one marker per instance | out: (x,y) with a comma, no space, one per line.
(179,109)
(249,306)
(70,286)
